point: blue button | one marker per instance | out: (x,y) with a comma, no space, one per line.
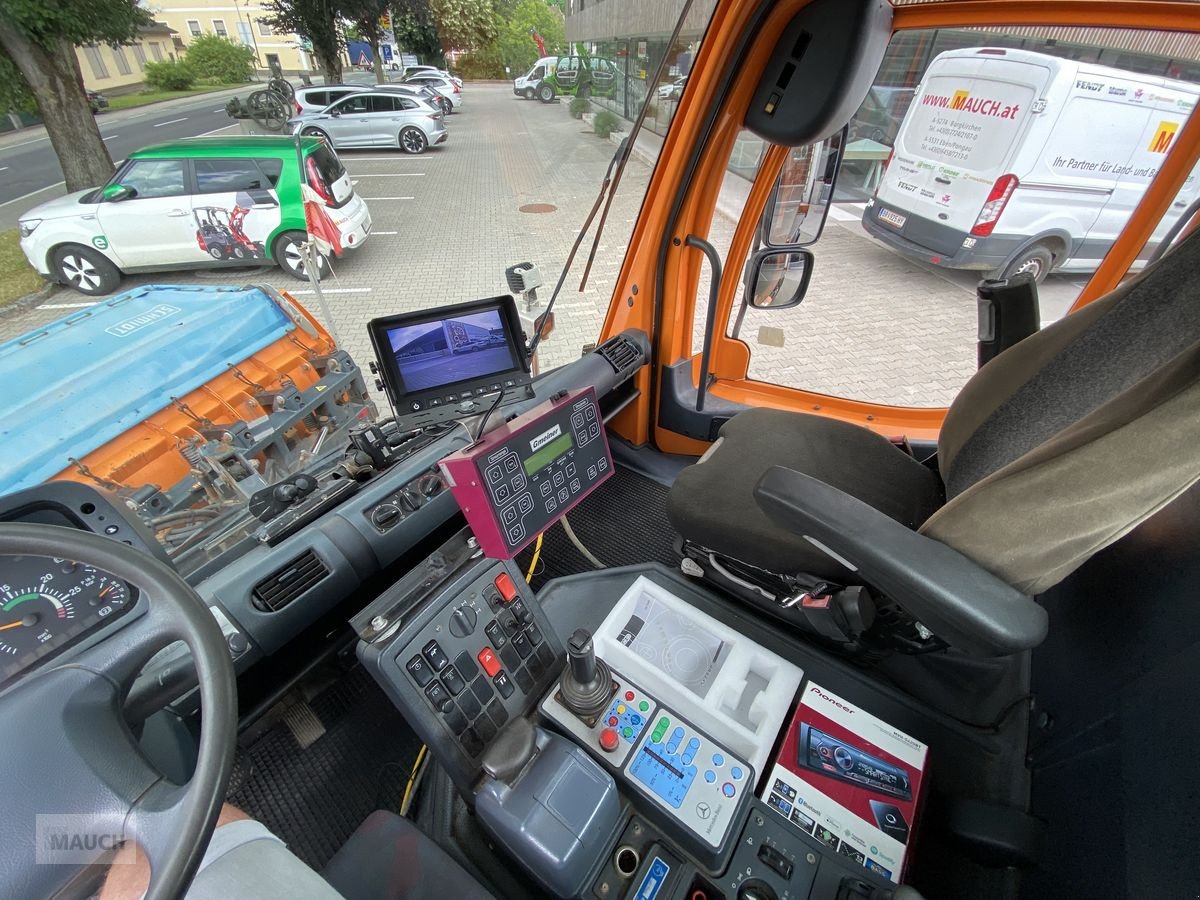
(635,719)
(718,760)
(710,776)
(728,789)
(677,734)
(735,772)
(672,745)
(686,759)
(694,744)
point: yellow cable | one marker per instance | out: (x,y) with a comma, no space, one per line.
(537,551)
(412,776)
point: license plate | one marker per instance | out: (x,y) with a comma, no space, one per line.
(894,219)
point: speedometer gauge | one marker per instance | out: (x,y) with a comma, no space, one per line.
(47,604)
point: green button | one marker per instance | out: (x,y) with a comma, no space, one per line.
(628,732)
(663,723)
(643,706)
(656,737)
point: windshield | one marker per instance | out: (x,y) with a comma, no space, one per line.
(193,409)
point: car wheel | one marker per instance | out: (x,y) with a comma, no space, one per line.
(239,251)
(1036,260)
(291,258)
(545,93)
(529,93)
(215,253)
(412,139)
(317,133)
(85,270)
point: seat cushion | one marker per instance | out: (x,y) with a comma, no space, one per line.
(389,858)
(712,503)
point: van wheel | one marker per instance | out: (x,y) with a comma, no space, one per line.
(529,93)
(317,133)
(1036,260)
(85,270)
(412,139)
(290,257)
(545,93)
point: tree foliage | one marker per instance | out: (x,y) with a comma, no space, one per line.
(413,25)
(362,17)
(170,75)
(316,20)
(514,41)
(464,24)
(218,58)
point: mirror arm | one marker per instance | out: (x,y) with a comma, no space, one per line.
(714,288)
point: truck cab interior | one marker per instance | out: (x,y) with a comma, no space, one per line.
(643,626)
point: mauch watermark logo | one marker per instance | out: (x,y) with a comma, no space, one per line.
(141,320)
(75,840)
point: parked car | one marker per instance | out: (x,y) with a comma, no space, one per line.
(672,90)
(314,99)
(194,203)
(879,117)
(97,101)
(374,119)
(429,95)
(417,70)
(526,85)
(444,85)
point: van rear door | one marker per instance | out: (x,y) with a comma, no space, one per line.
(952,150)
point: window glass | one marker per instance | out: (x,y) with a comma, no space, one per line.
(154,178)
(355,103)
(215,176)
(122,60)
(328,164)
(139,54)
(96,61)
(380,104)
(264,29)
(976,154)
(194,27)
(156,49)
(219,28)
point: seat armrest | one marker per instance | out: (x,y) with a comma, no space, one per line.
(955,598)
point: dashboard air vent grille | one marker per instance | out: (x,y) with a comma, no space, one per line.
(284,585)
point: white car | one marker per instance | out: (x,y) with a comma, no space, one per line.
(418,70)
(443,84)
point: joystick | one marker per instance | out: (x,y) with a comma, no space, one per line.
(587,684)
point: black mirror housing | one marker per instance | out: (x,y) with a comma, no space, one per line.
(778,279)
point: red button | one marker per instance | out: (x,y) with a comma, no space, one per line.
(608,740)
(612,720)
(629,695)
(505,586)
(488,660)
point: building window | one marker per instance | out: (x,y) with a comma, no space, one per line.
(122,61)
(219,28)
(156,49)
(264,29)
(245,35)
(194,27)
(139,54)
(96,61)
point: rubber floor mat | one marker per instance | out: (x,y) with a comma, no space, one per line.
(622,523)
(315,797)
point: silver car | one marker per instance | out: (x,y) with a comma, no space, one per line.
(428,94)
(375,119)
(443,84)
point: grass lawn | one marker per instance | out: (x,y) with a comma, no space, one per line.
(16,277)
(128,101)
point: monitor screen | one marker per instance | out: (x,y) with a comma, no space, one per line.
(447,351)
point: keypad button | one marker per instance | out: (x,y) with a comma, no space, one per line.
(471,742)
(482,688)
(469,704)
(434,653)
(419,671)
(521,611)
(545,488)
(484,728)
(559,479)
(453,681)
(437,694)
(488,660)
(575,486)
(456,720)
(522,645)
(535,667)
(504,584)
(496,635)
(564,495)
(534,634)
(524,680)
(546,655)
(497,713)
(509,657)
(465,665)
(509,623)
(503,684)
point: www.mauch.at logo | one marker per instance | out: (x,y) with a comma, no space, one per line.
(73,840)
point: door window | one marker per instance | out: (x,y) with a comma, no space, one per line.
(352,105)
(378,104)
(218,176)
(154,178)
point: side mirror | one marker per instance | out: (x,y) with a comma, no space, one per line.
(335,113)
(778,279)
(799,203)
(117,192)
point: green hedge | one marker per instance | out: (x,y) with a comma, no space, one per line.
(605,123)
(170,75)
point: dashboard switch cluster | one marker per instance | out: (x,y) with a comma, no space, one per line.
(395,508)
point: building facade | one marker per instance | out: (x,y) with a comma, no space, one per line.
(122,69)
(239,21)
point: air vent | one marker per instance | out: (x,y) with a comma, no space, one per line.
(285,585)
(622,354)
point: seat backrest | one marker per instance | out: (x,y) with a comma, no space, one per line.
(1070,438)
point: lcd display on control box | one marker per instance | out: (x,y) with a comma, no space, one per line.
(451,361)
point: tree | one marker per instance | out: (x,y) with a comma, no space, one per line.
(412,23)
(515,43)
(464,24)
(218,58)
(316,20)
(38,40)
(363,17)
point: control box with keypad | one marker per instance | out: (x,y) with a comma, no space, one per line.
(523,477)
(693,781)
(468,656)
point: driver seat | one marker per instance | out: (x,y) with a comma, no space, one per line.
(1051,451)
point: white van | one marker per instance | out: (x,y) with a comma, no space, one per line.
(526,86)
(1010,161)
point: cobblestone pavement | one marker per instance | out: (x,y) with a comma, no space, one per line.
(448,222)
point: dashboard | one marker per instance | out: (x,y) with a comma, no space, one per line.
(266,596)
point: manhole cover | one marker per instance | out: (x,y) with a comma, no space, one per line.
(538,208)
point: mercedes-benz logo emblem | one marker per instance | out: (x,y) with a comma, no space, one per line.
(703,810)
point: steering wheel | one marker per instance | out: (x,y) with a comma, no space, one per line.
(75,781)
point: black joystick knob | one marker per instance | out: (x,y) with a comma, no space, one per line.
(587,683)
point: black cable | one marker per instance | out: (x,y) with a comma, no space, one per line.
(487,415)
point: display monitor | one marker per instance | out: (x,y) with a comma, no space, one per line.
(452,361)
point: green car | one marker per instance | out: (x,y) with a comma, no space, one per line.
(581,76)
(196,203)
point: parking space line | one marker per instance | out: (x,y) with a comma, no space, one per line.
(385,232)
(841,215)
(394,175)
(109,137)
(353,159)
(172,122)
(66,305)
(3,168)
(333,291)
(373,199)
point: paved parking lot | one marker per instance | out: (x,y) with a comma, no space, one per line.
(447,223)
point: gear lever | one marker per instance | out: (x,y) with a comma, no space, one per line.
(587,684)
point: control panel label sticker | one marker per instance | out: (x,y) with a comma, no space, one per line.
(545,437)
(653,882)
